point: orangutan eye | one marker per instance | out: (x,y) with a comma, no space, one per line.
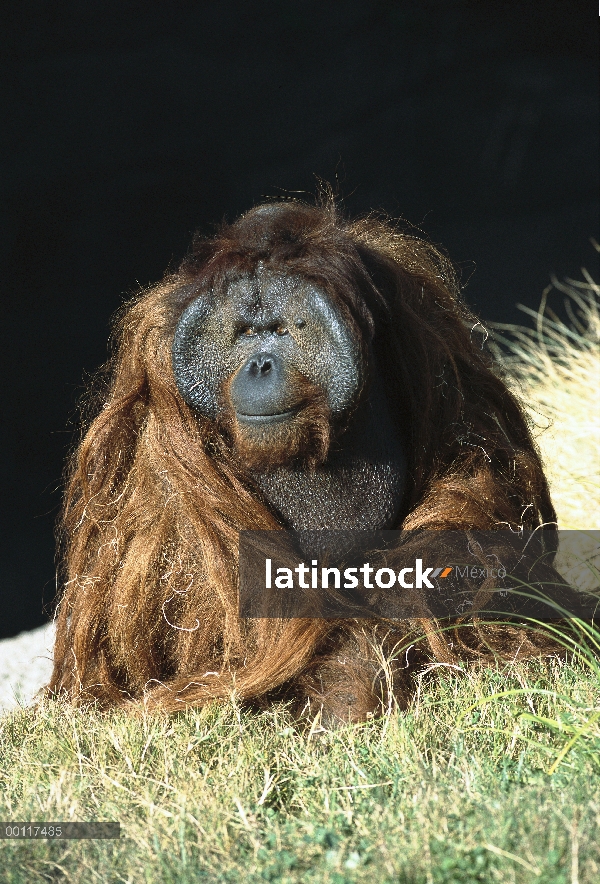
(281,330)
(247,331)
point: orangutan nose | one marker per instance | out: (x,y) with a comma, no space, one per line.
(260,388)
(260,365)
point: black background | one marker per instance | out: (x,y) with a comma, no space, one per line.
(125,126)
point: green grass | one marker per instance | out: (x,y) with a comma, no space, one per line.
(492,775)
(456,789)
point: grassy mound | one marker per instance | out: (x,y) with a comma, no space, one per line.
(555,369)
(463,788)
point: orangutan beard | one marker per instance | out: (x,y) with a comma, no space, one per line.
(301,439)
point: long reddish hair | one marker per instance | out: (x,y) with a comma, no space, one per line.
(155,500)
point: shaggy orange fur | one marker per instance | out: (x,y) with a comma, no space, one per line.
(157,494)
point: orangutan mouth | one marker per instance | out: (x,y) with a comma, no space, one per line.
(266,418)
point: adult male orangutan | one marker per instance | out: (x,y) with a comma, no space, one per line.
(298,371)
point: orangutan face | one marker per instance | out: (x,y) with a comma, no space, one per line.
(275,361)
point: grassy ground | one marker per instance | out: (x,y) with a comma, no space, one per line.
(492,775)
(458,789)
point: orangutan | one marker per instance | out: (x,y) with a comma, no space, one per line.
(298,371)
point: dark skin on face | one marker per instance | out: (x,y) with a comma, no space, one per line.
(285,372)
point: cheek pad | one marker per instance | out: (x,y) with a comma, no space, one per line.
(201,356)
(330,352)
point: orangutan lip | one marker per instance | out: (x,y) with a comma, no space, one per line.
(265,418)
